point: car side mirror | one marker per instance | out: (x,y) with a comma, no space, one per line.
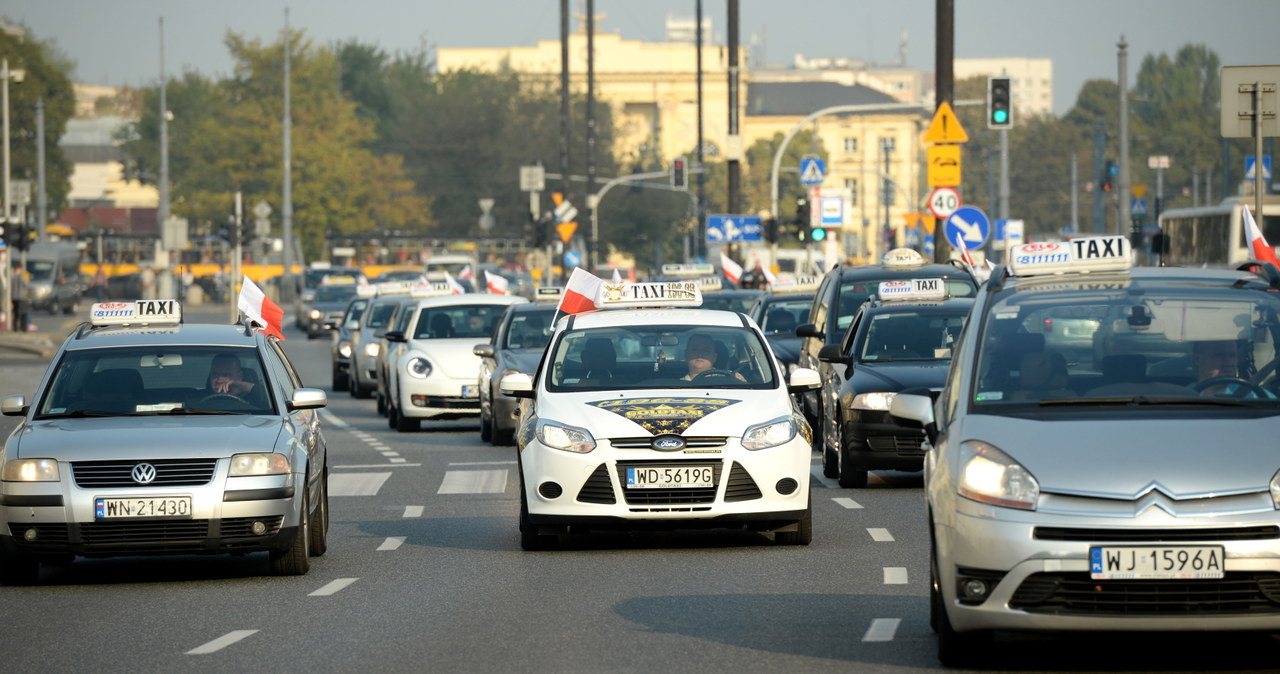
(484,350)
(803,379)
(517,385)
(831,353)
(917,408)
(393,336)
(14,405)
(809,330)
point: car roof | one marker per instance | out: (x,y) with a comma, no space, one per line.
(199,334)
(878,271)
(949,304)
(625,317)
(469,298)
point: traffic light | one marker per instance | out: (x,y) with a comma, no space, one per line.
(679,180)
(818,234)
(999,103)
(1108,175)
(802,213)
(771,230)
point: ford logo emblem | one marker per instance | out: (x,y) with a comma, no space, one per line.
(668,443)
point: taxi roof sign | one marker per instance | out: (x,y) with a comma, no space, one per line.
(421,290)
(710,284)
(1078,256)
(795,284)
(396,287)
(337,280)
(140,312)
(912,290)
(668,294)
(548,294)
(902,258)
(688,269)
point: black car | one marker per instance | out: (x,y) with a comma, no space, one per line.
(778,311)
(890,346)
(842,292)
(341,350)
(516,346)
(328,307)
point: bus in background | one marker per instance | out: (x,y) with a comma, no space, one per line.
(1214,236)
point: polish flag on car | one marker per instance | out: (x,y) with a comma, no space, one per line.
(1262,251)
(454,285)
(964,251)
(581,293)
(497,284)
(263,312)
(466,273)
(731,269)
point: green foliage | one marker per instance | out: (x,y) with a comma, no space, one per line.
(44,80)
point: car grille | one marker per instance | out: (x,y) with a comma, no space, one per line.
(646,441)
(1078,594)
(740,487)
(909,446)
(151,536)
(666,497)
(597,488)
(169,473)
(1259,533)
(155,536)
(46,533)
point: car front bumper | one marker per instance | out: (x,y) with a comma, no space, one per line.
(438,396)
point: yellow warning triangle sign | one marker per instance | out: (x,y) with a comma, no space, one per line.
(945,127)
(566,230)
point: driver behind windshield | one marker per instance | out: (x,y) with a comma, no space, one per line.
(227,376)
(700,357)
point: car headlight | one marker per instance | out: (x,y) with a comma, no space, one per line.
(567,438)
(1275,490)
(372,349)
(879,400)
(988,475)
(344,349)
(31,470)
(418,367)
(315,314)
(769,434)
(262,463)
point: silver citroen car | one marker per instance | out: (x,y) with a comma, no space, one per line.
(149,436)
(1131,488)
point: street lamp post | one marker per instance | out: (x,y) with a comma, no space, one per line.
(5,76)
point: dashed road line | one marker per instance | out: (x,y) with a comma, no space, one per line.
(882,629)
(221,642)
(333,587)
(848,503)
(482,463)
(357,466)
(391,543)
(895,575)
(356,484)
(880,535)
(413,511)
(474,482)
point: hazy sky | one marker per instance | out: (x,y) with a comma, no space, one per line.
(116,42)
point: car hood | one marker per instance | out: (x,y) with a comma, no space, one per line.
(1124,458)
(896,377)
(522,360)
(787,349)
(691,412)
(149,437)
(452,356)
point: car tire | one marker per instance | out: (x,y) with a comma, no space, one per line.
(393,415)
(503,437)
(803,535)
(955,649)
(18,570)
(406,424)
(320,525)
(296,561)
(486,427)
(340,380)
(851,476)
(381,404)
(530,539)
(358,391)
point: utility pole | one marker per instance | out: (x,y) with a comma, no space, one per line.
(42,195)
(944,13)
(1099,162)
(593,254)
(286,206)
(1122,195)
(165,277)
(734,144)
(701,209)
(564,98)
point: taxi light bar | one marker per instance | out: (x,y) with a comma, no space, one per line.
(548,294)
(688,269)
(430,290)
(669,294)
(1078,256)
(395,287)
(795,284)
(902,258)
(139,312)
(913,290)
(711,283)
(337,280)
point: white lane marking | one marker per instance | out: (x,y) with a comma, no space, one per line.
(381,447)
(391,543)
(351,466)
(397,460)
(388,452)
(221,642)
(333,587)
(331,418)
(356,484)
(882,629)
(413,511)
(880,535)
(848,503)
(895,575)
(482,463)
(474,482)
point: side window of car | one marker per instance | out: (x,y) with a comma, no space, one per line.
(282,371)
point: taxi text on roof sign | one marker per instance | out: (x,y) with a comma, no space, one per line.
(797,284)
(140,312)
(337,280)
(687,270)
(916,290)
(902,258)
(671,294)
(548,294)
(435,289)
(1078,256)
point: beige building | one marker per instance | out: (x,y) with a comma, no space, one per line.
(1031,81)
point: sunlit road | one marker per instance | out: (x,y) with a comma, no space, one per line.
(424,572)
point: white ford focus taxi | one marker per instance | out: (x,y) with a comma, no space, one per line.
(650,413)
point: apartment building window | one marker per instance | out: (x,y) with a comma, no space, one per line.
(887,144)
(850,145)
(851,184)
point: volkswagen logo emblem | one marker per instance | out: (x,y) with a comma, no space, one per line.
(144,473)
(668,443)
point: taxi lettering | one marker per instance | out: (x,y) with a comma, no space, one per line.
(155,307)
(1096,247)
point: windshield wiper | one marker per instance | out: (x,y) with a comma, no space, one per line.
(1150,400)
(79,414)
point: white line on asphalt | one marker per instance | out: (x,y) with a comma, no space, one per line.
(381,447)
(482,463)
(389,452)
(351,466)
(895,575)
(413,511)
(474,482)
(848,503)
(333,587)
(397,460)
(363,435)
(331,418)
(221,642)
(391,543)
(882,629)
(880,535)
(356,484)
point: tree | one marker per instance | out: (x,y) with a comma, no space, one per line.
(44,80)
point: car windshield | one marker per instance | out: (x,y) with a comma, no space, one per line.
(39,271)
(781,318)
(854,293)
(157,380)
(380,314)
(660,356)
(457,320)
(725,302)
(1159,343)
(529,329)
(910,335)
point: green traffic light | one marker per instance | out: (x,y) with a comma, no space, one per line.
(818,234)
(999,116)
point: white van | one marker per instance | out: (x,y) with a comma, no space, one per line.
(54,282)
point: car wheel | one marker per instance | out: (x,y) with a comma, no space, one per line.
(393,415)
(955,649)
(19,571)
(830,453)
(851,476)
(530,539)
(803,534)
(486,427)
(70,307)
(320,526)
(503,436)
(358,391)
(295,561)
(382,403)
(340,380)
(406,424)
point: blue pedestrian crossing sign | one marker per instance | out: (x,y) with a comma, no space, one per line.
(812,170)
(971,224)
(1250,162)
(1138,207)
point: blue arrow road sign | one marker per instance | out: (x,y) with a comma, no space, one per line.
(572,258)
(812,171)
(970,223)
(734,228)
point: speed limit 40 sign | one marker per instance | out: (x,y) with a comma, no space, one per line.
(943,201)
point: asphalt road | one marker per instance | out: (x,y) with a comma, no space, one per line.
(425,572)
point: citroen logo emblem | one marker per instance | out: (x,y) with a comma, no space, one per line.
(144,473)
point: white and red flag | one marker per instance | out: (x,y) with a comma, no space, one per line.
(454,285)
(732,270)
(466,273)
(617,278)
(497,284)
(1262,251)
(263,312)
(581,293)
(964,251)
